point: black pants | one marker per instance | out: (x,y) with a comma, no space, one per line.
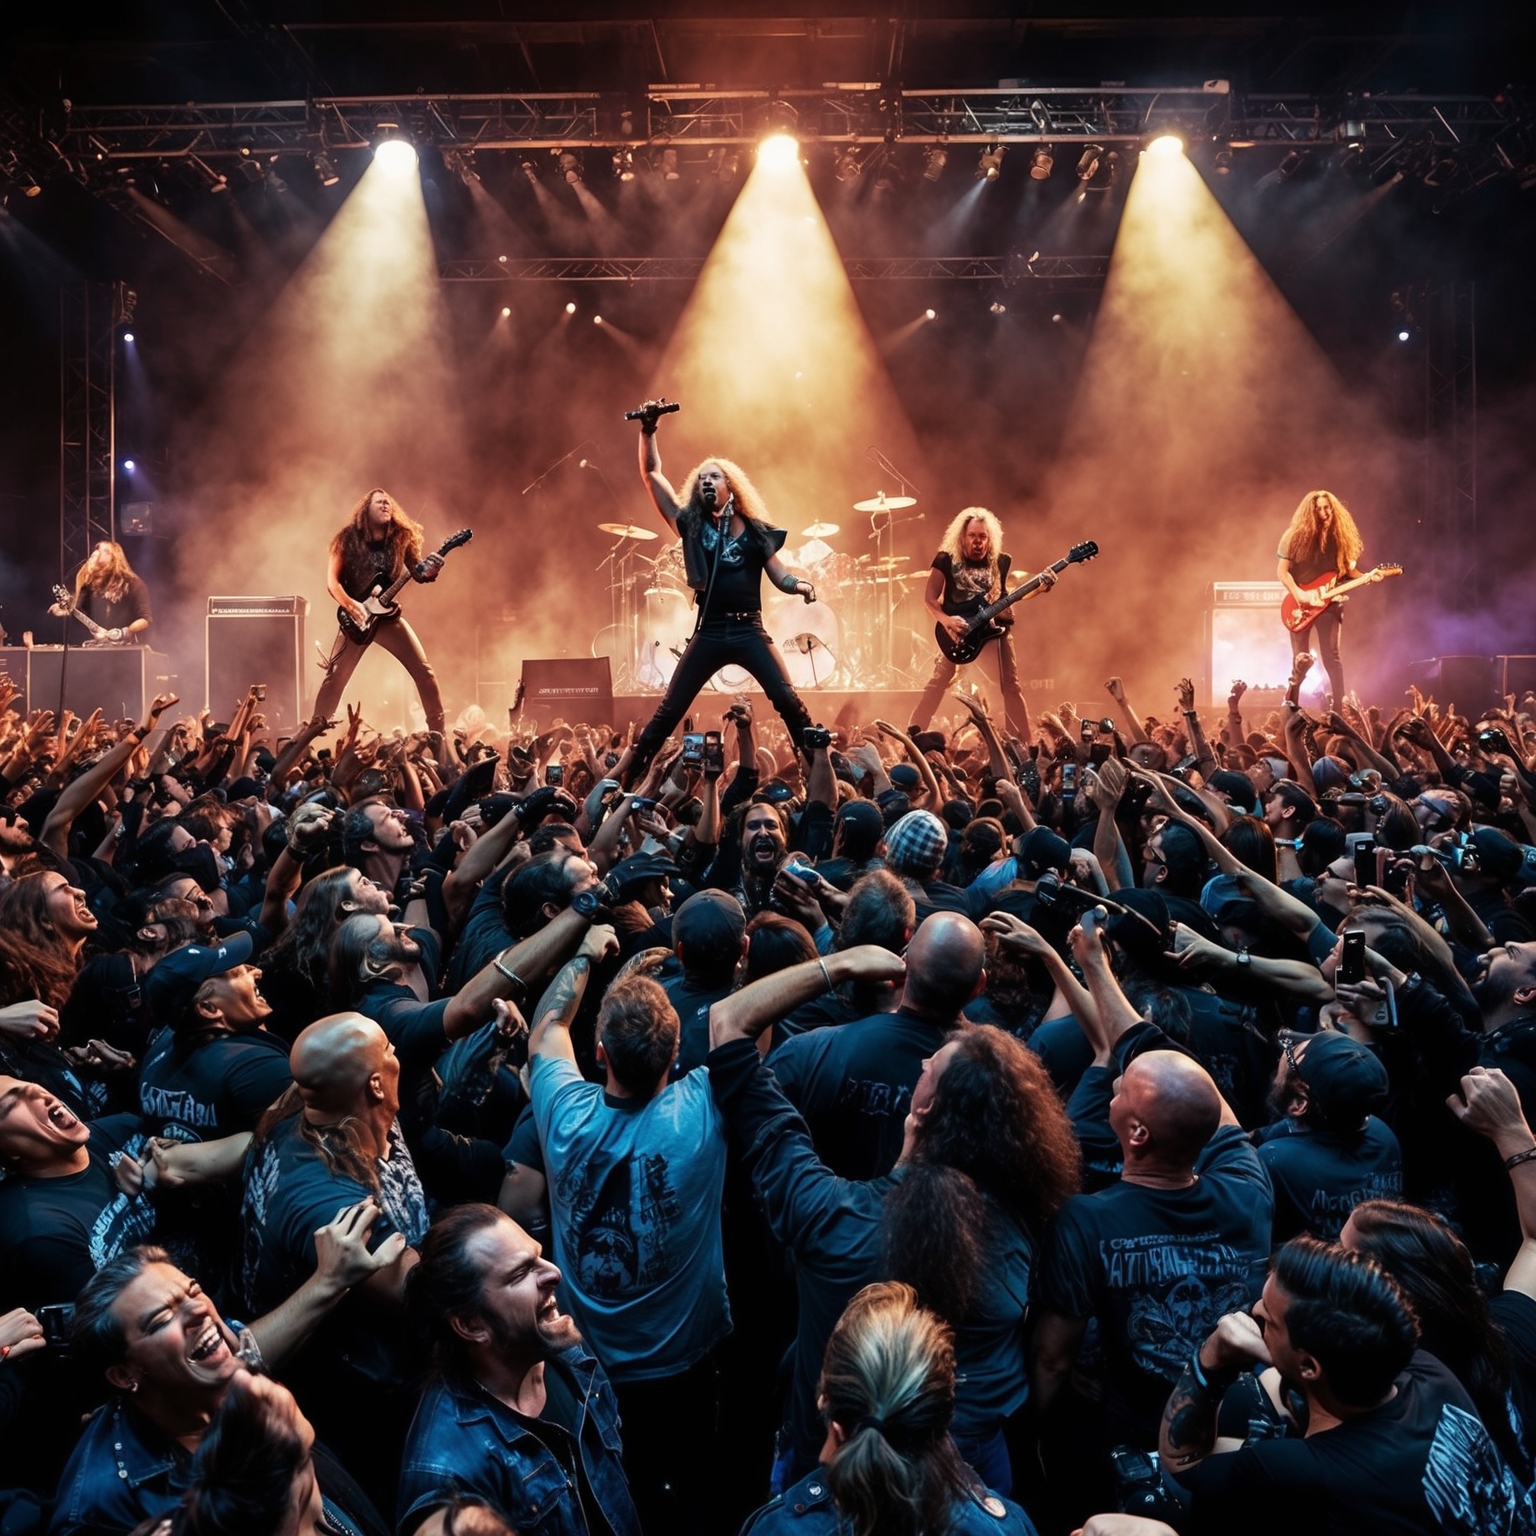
(997,666)
(1324,637)
(671,1434)
(722,642)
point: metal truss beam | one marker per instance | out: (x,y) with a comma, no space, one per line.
(89,314)
(635,269)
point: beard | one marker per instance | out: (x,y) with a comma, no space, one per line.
(764,851)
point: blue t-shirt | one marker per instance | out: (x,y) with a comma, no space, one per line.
(634,1193)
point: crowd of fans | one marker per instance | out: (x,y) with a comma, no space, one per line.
(1125,1129)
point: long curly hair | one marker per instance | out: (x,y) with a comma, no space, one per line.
(320,911)
(888,1380)
(29,970)
(39,947)
(405,534)
(950,544)
(106,570)
(749,500)
(338,1145)
(1302,540)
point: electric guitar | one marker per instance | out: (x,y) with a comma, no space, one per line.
(1298,618)
(99,635)
(380,603)
(981,614)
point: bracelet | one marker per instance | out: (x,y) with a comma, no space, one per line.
(826,975)
(140,732)
(511,975)
(1224,1379)
(1511,1163)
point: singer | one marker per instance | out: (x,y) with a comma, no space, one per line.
(727,546)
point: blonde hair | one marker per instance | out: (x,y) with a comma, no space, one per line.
(106,570)
(749,500)
(955,534)
(888,1381)
(1303,537)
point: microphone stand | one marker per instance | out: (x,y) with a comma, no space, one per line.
(534,485)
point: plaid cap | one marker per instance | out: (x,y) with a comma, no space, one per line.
(915,845)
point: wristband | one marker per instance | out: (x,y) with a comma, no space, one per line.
(1511,1163)
(511,975)
(826,977)
(788,583)
(1212,1386)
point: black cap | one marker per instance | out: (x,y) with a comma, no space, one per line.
(1344,1077)
(174,981)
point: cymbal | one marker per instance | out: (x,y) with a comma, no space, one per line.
(890,562)
(627,531)
(884,503)
(820,531)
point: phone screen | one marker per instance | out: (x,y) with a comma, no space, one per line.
(1365,864)
(1352,959)
(714,750)
(555,774)
(693,748)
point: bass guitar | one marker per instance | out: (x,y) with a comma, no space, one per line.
(981,628)
(99,635)
(381,604)
(1299,618)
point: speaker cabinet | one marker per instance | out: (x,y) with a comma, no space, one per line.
(574,688)
(257,640)
(1471,683)
(1519,675)
(119,680)
(1245,638)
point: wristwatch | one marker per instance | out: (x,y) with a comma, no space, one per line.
(1244,960)
(587,903)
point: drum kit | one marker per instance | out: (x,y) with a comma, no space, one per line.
(860,632)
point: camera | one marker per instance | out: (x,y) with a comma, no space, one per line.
(1139,1488)
(816,737)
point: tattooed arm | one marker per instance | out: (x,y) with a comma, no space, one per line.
(1188,1433)
(551,1033)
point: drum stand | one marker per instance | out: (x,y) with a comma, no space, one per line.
(623,615)
(883,522)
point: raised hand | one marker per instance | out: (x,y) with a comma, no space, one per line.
(1186,694)
(29,1020)
(341,1246)
(1115,689)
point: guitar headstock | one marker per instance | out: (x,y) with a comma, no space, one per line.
(62,595)
(1383,571)
(1080,552)
(463,536)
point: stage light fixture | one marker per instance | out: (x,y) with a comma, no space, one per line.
(530,170)
(1289,166)
(325,169)
(462,163)
(597,319)
(506,314)
(1404,334)
(1166,145)
(997,307)
(127,335)
(669,168)
(778,152)
(276,182)
(847,166)
(624,164)
(29,186)
(930,314)
(570,308)
(935,158)
(397,156)
(724,163)
(570,166)
(1088,162)
(1041,164)
(989,165)
(1222,164)
(129,465)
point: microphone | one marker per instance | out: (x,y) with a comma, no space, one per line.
(660,408)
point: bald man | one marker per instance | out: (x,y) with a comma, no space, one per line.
(1182,1237)
(335,1141)
(853,1083)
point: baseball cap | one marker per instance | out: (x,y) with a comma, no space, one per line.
(915,844)
(630,876)
(1344,1077)
(905,777)
(1498,854)
(174,981)
(1041,849)
(709,926)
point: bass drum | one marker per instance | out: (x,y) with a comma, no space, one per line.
(666,621)
(806,637)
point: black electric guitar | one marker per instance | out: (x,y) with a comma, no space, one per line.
(99,635)
(981,627)
(380,603)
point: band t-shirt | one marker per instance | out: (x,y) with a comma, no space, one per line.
(635,1192)
(214,1087)
(1159,1268)
(965,582)
(1421,1463)
(1319,1177)
(56,1233)
(128,609)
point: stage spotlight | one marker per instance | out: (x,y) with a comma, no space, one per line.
(397,156)
(930,314)
(989,166)
(935,158)
(1055,319)
(597,319)
(570,308)
(997,307)
(1088,162)
(325,170)
(129,465)
(778,152)
(530,170)
(847,166)
(1041,164)
(1222,164)
(570,166)
(462,163)
(724,163)
(1404,335)
(127,335)
(1166,144)
(29,186)
(506,314)
(624,164)
(1288,166)
(276,182)
(669,169)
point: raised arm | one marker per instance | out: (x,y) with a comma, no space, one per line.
(1116,690)
(650,470)
(744,1015)
(1489,1104)
(557,1009)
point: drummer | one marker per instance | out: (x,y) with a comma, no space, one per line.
(728,546)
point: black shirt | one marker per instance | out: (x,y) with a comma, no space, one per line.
(216,1085)
(737,586)
(692,1001)
(965,583)
(1319,1177)
(132,606)
(1420,1465)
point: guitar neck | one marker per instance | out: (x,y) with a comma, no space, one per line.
(992,610)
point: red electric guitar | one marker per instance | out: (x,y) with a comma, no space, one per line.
(1298,618)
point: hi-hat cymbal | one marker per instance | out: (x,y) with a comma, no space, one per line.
(884,503)
(627,531)
(820,531)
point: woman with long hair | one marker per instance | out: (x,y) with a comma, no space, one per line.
(109,593)
(728,547)
(373,548)
(1320,540)
(888,1465)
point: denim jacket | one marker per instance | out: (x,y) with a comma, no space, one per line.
(806,1509)
(123,1470)
(463,1440)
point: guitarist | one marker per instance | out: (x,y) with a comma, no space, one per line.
(1321,539)
(970,569)
(109,593)
(376,544)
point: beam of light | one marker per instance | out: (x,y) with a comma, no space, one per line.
(347,383)
(778,152)
(396,156)
(775,366)
(1166,145)
(1205,410)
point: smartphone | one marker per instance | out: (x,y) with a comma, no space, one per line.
(57,1321)
(1365,864)
(802,871)
(693,749)
(1099,752)
(555,774)
(1352,959)
(714,752)
(1069,781)
(1086,733)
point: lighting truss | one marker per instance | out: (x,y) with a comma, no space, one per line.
(634,269)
